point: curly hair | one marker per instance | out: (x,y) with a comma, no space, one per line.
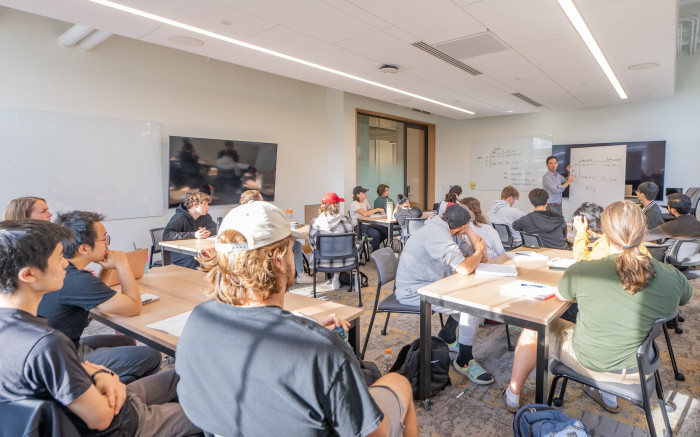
(250,196)
(237,277)
(195,199)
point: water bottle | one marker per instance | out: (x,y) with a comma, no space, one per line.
(388,361)
(389,211)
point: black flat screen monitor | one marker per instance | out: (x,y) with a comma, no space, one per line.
(225,167)
(673,191)
(646,162)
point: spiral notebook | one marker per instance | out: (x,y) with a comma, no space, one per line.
(529,289)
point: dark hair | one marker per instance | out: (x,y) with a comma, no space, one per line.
(510,191)
(81,224)
(473,204)
(550,158)
(26,243)
(649,189)
(451,195)
(680,202)
(401,198)
(538,197)
(381,188)
(592,212)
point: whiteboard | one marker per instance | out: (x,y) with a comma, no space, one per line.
(518,161)
(108,165)
(599,175)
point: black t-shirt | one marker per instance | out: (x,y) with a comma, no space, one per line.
(265,371)
(68,309)
(41,363)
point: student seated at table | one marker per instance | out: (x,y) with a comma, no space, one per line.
(404,210)
(482,228)
(40,362)
(549,225)
(330,221)
(646,193)
(434,252)
(684,226)
(382,197)
(619,298)
(250,196)
(360,207)
(68,308)
(27,207)
(451,197)
(503,211)
(250,368)
(191,220)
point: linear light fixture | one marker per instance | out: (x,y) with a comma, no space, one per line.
(184,26)
(575,17)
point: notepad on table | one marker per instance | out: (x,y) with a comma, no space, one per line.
(560,263)
(148,298)
(495,270)
(529,289)
(172,325)
(527,255)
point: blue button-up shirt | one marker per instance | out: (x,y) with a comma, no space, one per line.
(552,182)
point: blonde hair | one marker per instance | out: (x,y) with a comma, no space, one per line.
(249,196)
(20,208)
(238,277)
(624,226)
(195,199)
(329,210)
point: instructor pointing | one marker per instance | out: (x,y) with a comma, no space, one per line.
(555,184)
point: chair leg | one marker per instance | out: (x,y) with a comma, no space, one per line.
(442,321)
(314,283)
(357,285)
(510,345)
(369,330)
(552,388)
(678,375)
(559,401)
(646,406)
(386,323)
(663,405)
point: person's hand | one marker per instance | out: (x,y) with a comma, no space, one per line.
(114,259)
(568,168)
(379,210)
(581,223)
(94,273)
(570,178)
(108,385)
(202,233)
(480,245)
(333,321)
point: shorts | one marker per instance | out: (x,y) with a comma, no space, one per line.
(394,410)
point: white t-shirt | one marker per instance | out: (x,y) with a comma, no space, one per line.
(354,206)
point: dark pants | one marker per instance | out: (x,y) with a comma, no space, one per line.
(118,353)
(377,233)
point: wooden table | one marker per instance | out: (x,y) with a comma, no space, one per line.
(480,296)
(382,221)
(181,289)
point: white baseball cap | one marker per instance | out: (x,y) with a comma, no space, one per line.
(261,223)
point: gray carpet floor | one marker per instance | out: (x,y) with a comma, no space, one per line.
(480,411)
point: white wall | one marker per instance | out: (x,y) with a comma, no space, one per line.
(676,121)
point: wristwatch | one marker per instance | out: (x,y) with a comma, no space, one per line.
(100,371)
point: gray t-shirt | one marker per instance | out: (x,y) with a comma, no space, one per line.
(264,371)
(429,255)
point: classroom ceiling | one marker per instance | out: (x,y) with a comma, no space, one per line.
(524,52)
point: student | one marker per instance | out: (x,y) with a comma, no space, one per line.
(555,184)
(550,226)
(483,229)
(646,193)
(248,367)
(360,206)
(27,207)
(383,197)
(191,220)
(42,363)
(404,210)
(434,252)
(619,298)
(502,211)
(251,196)
(685,226)
(68,308)
(451,197)
(331,221)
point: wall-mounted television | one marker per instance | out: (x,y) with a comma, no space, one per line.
(225,167)
(646,162)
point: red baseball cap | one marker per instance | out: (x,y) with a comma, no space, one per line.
(331,198)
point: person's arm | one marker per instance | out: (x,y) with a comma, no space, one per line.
(550,182)
(128,302)
(176,229)
(581,252)
(475,242)
(210,224)
(93,409)
(470,263)
(655,234)
(367,213)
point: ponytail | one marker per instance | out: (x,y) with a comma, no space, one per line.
(634,269)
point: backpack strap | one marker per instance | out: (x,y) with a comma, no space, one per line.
(400,359)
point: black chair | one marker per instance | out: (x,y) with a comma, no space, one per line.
(694,194)
(411,226)
(505,235)
(156,238)
(532,241)
(337,246)
(35,418)
(648,362)
(219,220)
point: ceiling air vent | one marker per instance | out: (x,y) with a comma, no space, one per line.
(447,58)
(525,98)
(421,111)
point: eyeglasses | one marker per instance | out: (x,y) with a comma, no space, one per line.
(107,240)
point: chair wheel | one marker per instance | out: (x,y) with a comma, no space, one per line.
(667,433)
(427,404)
(680,376)
(383,331)
(681,319)
(678,330)
(670,407)
(557,402)
(511,348)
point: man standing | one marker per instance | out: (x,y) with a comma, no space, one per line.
(248,367)
(68,309)
(504,212)
(555,184)
(646,193)
(191,220)
(434,252)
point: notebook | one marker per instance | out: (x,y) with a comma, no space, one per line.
(137,261)
(148,298)
(495,270)
(560,263)
(529,289)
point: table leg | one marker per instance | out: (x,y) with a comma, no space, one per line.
(354,336)
(425,352)
(391,235)
(542,364)
(165,253)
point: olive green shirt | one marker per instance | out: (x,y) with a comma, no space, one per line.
(611,322)
(380,202)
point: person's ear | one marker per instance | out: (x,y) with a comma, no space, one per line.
(27,275)
(84,249)
(277,260)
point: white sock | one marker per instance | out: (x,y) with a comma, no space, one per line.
(610,400)
(336,281)
(512,400)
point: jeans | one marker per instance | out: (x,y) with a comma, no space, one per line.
(378,234)
(118,354)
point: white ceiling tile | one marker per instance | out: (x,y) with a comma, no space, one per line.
(386,49)
(358,13)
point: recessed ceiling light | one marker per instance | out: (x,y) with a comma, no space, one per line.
(643,66)
(239,43)
(509,111)
(186,41)
(389,69)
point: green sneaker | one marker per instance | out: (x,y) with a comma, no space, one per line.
(454,347)
(474,372)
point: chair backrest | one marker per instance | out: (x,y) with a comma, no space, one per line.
(436,205)
(685,253)
(648,357)
(335,246)
(219,220)
(532,241)
(387,263)
(35,418)
(694,194)
(412,225)
(504,234)
(156,238)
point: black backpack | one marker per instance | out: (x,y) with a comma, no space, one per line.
(539,420)
(408,364)
(346,279)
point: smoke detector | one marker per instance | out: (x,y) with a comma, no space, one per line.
(389,69)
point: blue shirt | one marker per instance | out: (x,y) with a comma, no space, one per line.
(552,182)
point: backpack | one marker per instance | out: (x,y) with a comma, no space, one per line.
(537,420)
(370,372)
(347,279)
(408,365)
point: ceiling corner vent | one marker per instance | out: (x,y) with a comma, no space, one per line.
(447,58)
(526,99)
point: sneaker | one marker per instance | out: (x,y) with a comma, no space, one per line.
(454,347)
(595,395)
(474,372)
(505,401)
(303,278)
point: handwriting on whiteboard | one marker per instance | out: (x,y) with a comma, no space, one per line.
(597,170)
(506,164)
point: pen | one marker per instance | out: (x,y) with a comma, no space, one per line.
(521,253)
(532,285)
(463,391)
(147,301)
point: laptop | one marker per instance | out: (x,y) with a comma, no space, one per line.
(137,261)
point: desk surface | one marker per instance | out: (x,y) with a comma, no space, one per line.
(195,246)
(180,290)
(382,220)
(483,291)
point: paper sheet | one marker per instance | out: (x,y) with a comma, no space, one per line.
(148,298)
(172,325)
(495,270)
(527,255)
(528,289)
